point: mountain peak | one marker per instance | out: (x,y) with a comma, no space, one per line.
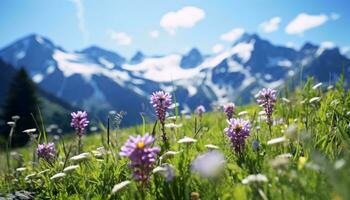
(247,37)
(137,58)
(192,59)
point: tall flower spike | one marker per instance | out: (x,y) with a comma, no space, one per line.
(267,99)
(161,101)
(200,110)
(79,122)
(229,109)
(238,130)
(46,151)
(142,156)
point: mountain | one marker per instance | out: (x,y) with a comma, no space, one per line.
(192,59)
(137,58)
(100,80)
(55,110)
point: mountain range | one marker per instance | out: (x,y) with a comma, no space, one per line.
(101,80)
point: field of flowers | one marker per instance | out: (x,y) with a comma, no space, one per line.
(286,146)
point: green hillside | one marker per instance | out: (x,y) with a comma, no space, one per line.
(308,160)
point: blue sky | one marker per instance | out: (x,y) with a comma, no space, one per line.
(169,26)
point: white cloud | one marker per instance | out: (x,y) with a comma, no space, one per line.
(79,6)
(154,34)
(217,48)
(186,17)
(305,22)
(327,45)
(271,25)
(120,37)
(232,35)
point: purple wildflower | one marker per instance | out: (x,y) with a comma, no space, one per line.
(238,130)
(267,99)
(161,101)
(79,122)
(46,151)
(142,155)
(229,109)
(200,110)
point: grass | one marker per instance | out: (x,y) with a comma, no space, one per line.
(312,165)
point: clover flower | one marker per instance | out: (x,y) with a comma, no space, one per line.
(142,156)
(79,122)
(208,164)
(200,110)
(46,151)
(267,99)
(238,130)
(229,109)
(161,101)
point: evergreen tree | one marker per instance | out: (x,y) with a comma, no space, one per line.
(21,100)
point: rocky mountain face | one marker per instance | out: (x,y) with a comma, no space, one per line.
(100,80)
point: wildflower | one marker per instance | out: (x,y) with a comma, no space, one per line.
(339,164)
(291,132)
(58,175)
(317,86)
(211,146)
(21,169)
(200,110)
(15,118)
(79,122)
(168,154)
(229,109)
(254,178)
(243,113)
(80,157)
(256,145)
(166,170)
(238,130)
(46,151)
(208,164)
(280,161)
(29,176)
(161,101)
(29,131)
(138,149)
(314,99)
(285,100)
(174,105)
(43,172)
(195,196)
(173,125)
(70,168)
(267,99)
(120,186)
(276,140)
(186,140)
(11,123)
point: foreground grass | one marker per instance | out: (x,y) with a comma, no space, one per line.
(312,165)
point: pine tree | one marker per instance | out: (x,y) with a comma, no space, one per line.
(21,100)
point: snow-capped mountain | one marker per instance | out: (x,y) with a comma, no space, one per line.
(100,80)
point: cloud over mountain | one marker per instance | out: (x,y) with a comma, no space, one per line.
(186,17)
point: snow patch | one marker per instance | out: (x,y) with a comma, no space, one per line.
(279,61)
(162,69)
(20,55)
(74,63)
(50,69)
(37,78)
(39,39)
(106,63)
